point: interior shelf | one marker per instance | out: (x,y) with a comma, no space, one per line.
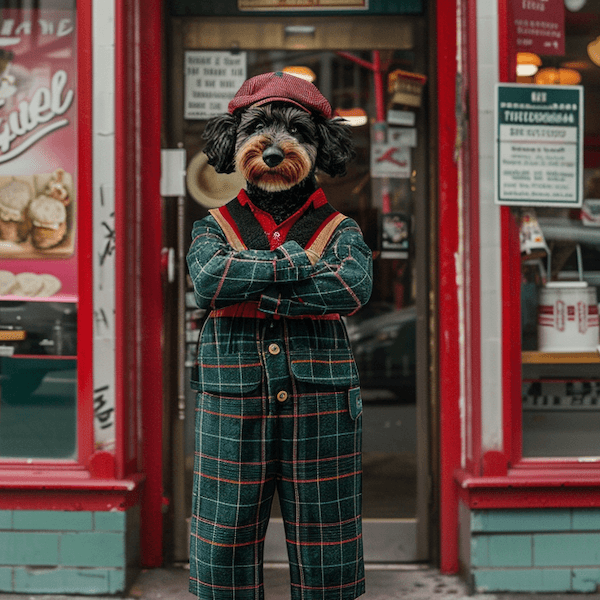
(555,358)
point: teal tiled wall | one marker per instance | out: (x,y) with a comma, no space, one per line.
(68,552)
(531,550)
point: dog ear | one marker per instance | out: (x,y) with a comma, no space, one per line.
(220,134)
(336,148)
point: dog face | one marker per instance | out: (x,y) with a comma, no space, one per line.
(275,146)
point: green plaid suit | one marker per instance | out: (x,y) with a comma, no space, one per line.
(278,407)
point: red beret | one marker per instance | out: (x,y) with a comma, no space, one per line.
(282,87)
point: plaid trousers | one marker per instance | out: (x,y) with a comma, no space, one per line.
(290,421)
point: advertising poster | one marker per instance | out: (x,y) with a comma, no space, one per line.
(38,154)
(395,235)
(539,145)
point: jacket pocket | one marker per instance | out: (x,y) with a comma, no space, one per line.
(355,403)
(231,374)
(335,368)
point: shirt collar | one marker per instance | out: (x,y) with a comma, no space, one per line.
(316,199)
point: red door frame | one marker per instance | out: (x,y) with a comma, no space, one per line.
(139,310)
(448,342)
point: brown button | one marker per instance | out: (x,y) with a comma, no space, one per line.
(274,349)
(282,396)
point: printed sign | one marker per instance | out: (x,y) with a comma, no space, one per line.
(395,235)
(538,26)
(390,160)
(211,81)
(38,151)
(539,145)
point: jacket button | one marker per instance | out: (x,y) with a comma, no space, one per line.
(282,396)
(274,349)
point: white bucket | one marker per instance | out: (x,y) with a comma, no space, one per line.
(567,317)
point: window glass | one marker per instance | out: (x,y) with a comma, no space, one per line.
(38,234)
(560,284)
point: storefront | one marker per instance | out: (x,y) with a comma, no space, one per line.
(520,479)
(480,439)
(80,370)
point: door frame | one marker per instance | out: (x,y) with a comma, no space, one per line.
(422,527)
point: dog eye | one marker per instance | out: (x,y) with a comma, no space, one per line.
(259,126)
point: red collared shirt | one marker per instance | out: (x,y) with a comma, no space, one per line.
(277,234)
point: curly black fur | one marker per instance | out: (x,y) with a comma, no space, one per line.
(336,148)
(220,134)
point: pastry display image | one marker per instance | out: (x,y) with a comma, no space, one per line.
(29,285)
(49,222)
(14,200)
(7,282)
(37,215)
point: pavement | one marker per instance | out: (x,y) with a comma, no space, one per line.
(384,582)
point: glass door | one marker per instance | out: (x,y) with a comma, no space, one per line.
(376,81)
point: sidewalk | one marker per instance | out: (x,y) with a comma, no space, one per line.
(407,582)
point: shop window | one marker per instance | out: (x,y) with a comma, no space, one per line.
(39,212)
(560,290)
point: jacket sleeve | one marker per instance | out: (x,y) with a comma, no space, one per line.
(340,282)
(222,276)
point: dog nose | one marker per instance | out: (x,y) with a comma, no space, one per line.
(272,156)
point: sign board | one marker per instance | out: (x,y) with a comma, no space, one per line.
(538,26)
(390,160)
(211,81)
(539,145)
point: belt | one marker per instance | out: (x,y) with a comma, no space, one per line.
(249,310)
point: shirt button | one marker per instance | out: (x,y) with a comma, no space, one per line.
(274,349)
(282,396)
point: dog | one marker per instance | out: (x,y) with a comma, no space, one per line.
(278,403)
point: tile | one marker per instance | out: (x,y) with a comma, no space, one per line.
(62,581)
(566,549)
(28,548)
(586,580)
(522,520)
(117,581)
(586,519)
(6,579)
(5,519)
(109,521)
(510,551)
(52,520)
(480,551)
(96,549)
(522,580)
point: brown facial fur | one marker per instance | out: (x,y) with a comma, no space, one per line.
(289,129)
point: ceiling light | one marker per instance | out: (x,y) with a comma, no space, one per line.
(593,50)
(551,76)
(526,70)
(527,64)
(354,116)
(302,72)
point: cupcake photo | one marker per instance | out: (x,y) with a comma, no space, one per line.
(14,222)
(49,222)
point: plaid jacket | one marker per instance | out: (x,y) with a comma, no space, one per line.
(283,283)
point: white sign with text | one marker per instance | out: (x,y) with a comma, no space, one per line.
(211,81)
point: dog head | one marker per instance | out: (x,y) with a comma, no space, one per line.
(277,131)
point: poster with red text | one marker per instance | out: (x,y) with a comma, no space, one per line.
(38,154)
